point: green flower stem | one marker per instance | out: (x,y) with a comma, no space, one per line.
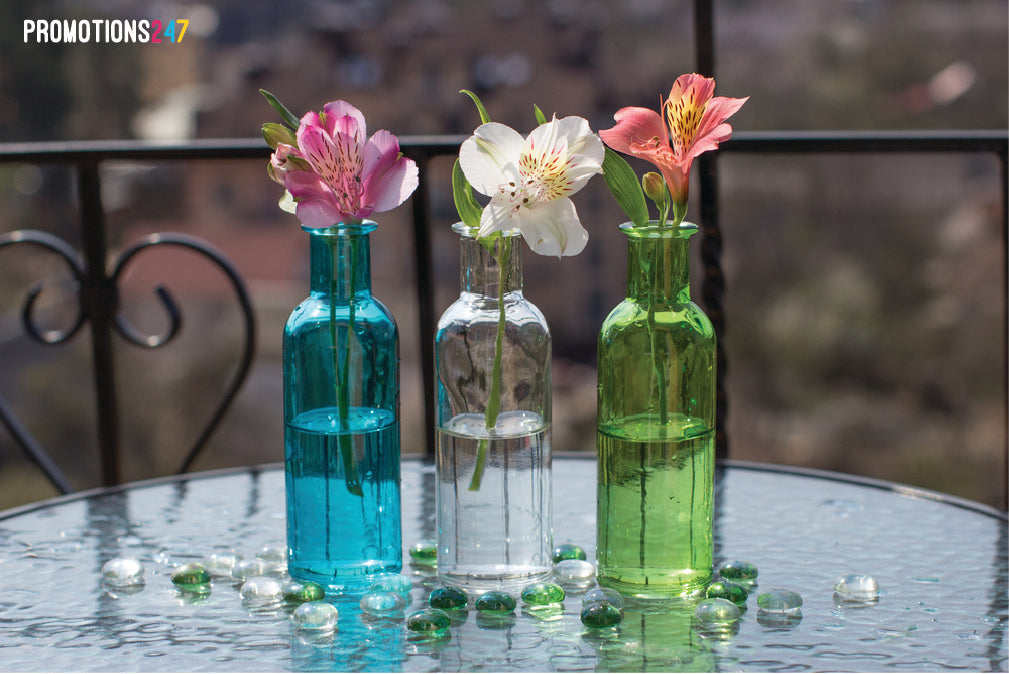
(494,400)
(341,373)
(657,367)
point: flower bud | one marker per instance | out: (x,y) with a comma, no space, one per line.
(276,134)
(654,186)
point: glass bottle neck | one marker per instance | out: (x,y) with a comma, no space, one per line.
(480,272)
(658,265)
(340,259)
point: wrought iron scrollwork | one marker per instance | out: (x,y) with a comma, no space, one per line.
(94,303)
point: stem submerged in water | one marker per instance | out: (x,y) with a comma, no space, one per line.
(341,373)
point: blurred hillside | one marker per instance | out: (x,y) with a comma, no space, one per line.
(865,293)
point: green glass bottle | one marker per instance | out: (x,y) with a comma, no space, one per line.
(656,419)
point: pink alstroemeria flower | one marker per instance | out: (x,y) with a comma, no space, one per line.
(694,120)
(349,178)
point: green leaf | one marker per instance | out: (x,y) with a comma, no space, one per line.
(286,115)
(626,188)
(484,117)
(462,192)
(540,117)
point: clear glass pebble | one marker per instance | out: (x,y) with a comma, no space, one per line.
(448,598)
(495,602)
(249,568)
(727,589)
(429,620)
(857,587)
(123,572)
(391,582)
(191,574)
(543,594)
(601,614)
(221,564)
(717,610)
(382,603)
(575,570)
(318,616)
(779,601)
(606,594)
(262,590)
(424,551)
(568,551)
(738,570)
(274,556)
(297,592)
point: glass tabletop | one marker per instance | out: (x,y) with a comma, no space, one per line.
(941,564)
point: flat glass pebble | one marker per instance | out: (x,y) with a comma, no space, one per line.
(575,570)
(428,620)
(601,614)
(382,603)
(717,610)
(855,586)
(726,589)
(606,594)
(275,556)
(191,574)
(262,590)
(779,601)
(318,616)
(424,551)
(448,598)
(123,571)
(495,602)
(568,551)
(543,594)
(221,564)
(249,568)
(738,570)
(297,592)
(391,582)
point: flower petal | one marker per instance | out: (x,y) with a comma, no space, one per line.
(635,127)
(339,109)
(488,157)
(550,228)
(711,131)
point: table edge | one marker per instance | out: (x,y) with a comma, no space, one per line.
(904,490)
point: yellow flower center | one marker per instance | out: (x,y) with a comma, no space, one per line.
(684,116)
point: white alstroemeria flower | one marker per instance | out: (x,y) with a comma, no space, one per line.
(530,179)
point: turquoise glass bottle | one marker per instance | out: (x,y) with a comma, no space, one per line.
(656,418)
(341,420)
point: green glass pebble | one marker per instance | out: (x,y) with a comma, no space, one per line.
(448,598)
(391,582)
(738,570)
(779,601)
(191,574)
(568,551)
(382,603)
(726,589)
(606,594)
(317,616)
(296,592)
(601,614)
(717,610)
(495,602)
(543,594)
(424,551)
(123,572)
(428,621)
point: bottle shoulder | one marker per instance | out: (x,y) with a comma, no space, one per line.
(632,315)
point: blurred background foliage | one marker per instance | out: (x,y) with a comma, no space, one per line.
(865,292)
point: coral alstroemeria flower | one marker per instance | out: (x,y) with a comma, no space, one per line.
(695,121)
(530,180)
(349,178)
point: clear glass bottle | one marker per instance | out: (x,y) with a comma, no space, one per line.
(492,356)
(341,420)
(656,418)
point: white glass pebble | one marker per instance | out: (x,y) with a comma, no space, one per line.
(318,616)
(717,610)
(575,570)
(779,601)
(274,556)
(857,587)
(249,568)
(382,603)
(262,590)
(123,571)
(391,582)
(221,564)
